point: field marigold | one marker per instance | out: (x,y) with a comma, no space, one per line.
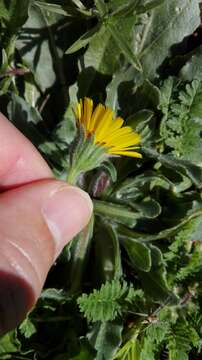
(107,131)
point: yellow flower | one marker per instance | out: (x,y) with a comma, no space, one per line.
(108,132)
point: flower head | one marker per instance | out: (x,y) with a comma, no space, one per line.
(107,131)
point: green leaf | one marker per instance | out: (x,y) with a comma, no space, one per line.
(70,11)
(167,25)
(104,304)
(107,253)
(25,117)
(192,171)
(124,47)
(8,345)
(79,256)
(149,6)
(148,207)
(109,167)
(52,294)
(56,8)
(65,131)
(103,53)
(148,349)
(158,332)
(130,350)
(124,232)
(109,302)
(106,339)
(182,123)
(97,54)
(83,40)
(35,47)
(144,123)
(27,328)
(193,267)
(101,7)
(113,89)
(178,344)
(118,213)
(125,9)
(10,8)
(193,67)
(154,281)
(139,254)
(3,11)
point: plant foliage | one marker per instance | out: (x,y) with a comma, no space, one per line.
(129,286)
(109,302)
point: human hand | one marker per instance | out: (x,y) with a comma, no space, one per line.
(38,216)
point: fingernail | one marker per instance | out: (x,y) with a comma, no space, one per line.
(66,212)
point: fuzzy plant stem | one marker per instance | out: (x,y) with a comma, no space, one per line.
(79,257)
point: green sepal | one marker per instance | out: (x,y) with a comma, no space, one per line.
(85,155)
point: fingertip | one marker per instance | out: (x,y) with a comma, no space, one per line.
(66,212)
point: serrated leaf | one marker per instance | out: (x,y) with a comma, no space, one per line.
(27,328)
(108,303)
(182,123)
(104,304)
(147,350)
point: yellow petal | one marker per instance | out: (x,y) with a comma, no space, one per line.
(126,130)
(126,153)
(127,142)
(103,126)
(114,126)
(124,139)
(97,115)
(87,114)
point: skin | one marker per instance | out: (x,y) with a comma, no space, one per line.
(38,217)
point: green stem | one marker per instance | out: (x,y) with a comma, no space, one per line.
(72,176)
(116,212)
(79,257)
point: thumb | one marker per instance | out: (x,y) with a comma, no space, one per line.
(36,222)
